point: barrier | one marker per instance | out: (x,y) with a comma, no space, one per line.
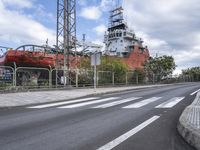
(30,77)
(7,77)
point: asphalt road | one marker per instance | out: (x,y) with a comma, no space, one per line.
(143,119)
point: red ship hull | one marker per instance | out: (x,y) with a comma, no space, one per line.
(32,59)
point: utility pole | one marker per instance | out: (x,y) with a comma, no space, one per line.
(66,34)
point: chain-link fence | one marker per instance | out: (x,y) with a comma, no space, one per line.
(119,78)
(85,77)
(7,77)
(105,78)
(29,78)
(59,78)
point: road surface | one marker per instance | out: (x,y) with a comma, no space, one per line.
(144,119)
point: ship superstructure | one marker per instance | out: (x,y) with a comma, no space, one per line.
(119,39)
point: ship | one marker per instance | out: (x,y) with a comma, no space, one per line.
(122,42)
(35,56)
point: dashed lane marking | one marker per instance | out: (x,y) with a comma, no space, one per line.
(195,92)
(128,134)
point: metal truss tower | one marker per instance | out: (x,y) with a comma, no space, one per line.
(66,33)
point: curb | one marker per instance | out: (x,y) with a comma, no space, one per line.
(85,95)
(189,123)
(12,90)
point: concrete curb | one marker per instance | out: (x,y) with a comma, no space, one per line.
(29,98)
(189,123)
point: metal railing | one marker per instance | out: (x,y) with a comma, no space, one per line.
(7,77)
(37,78)
(30,77)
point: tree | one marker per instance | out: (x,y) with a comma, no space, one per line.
(193,72)
(115,65)
(109,64)
(161,67)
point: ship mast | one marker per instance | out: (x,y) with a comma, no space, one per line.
(116,20)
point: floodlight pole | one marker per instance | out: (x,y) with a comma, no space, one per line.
(66,34)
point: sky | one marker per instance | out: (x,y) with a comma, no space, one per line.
(168,27)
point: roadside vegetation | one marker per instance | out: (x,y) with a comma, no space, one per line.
(160,68)
(193,73)
(108,66)
(155,70)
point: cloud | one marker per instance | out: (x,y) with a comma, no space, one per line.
(98,41)
(107,5)
(169,27)
(18,28)
(95,12)
(82,2)
(91,12)
(100,30)
(18,3)
(41,14)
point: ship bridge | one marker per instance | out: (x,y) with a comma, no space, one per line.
(120,40)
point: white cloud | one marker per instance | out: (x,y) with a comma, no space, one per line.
(168,27)
(100,30)
(18,3)
(177,72)
(95,12)
(40,13)
(152,42)
(18,28)
(91,12)
(82,2)
(99,42)
(106,5)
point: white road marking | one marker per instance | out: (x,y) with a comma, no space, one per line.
(143,103)
(128,134)
(89,103)
(170,103)
(64,103)
(195,92)
(117,102)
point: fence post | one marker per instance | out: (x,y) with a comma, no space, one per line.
(56,78)
(153,78)
(15,75)
(137,80)
(50,76)
(113,78)
(97,78)
(77,71)
(126,79)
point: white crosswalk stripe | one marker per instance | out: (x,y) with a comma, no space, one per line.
(170,103)
(117,102)
(89,103)
(64,103)
(106,102)
(143,102)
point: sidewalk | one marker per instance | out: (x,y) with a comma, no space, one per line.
(189,123)
(27,98)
